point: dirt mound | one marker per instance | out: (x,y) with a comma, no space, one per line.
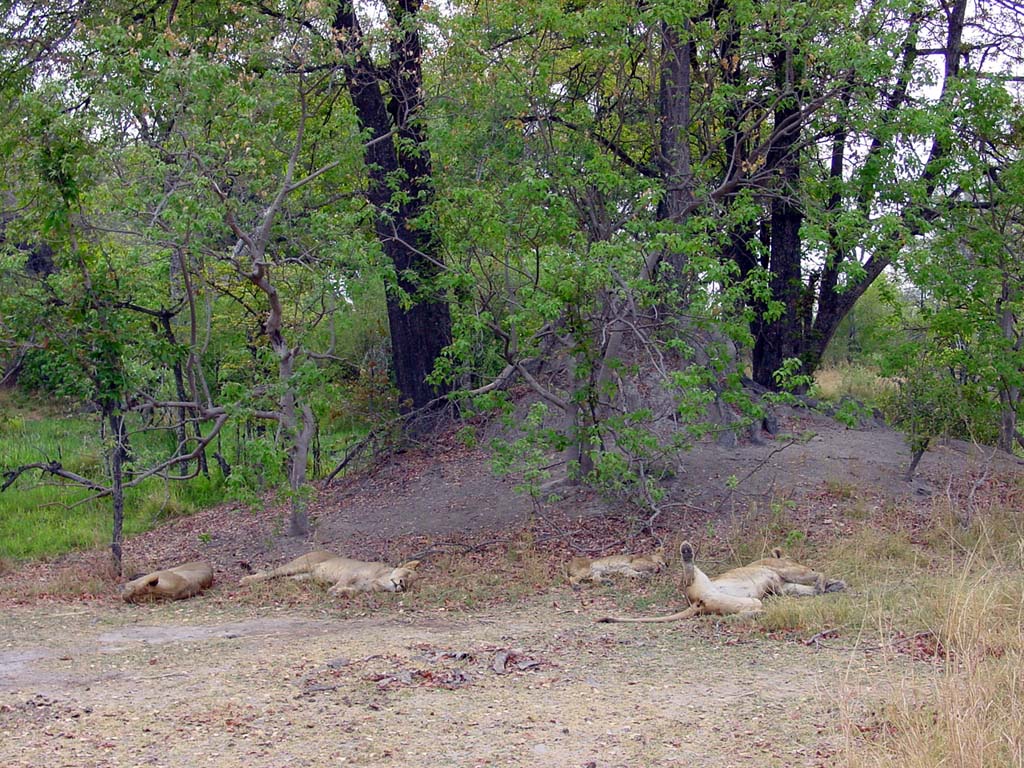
(449,490)
(814,471)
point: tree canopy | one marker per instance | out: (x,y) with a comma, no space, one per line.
(211,212)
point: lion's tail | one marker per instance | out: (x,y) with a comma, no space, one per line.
(693,610)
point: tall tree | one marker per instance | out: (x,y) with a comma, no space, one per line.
(880,158)
(388,100)
(796,130)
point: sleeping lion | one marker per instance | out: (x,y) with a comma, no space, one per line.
(740,590)
(581,569)
(175,583)
(343,575)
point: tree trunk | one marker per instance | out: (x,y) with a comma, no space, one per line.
(400,190)
(781,338)
(674,160)
(183,396)
(180,292)
(117,459)
(915,458)
(1008,400)
(299,524)
(297,437)
(675,163)
(833,304)
(1009,394)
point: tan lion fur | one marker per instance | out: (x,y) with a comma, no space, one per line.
(175,583)
(343,575)
(742,589)
(581,569)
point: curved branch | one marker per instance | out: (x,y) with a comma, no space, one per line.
(51,468)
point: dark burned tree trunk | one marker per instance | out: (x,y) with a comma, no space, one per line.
(782,338)
(917,451)
(388,101)
(1009,392)
(737,149)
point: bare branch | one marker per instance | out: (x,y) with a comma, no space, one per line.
(302,182)
(560,403)
(51,468)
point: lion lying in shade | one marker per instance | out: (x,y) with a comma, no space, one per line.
(175,583)
(742,589)
(585,569)
(344,575)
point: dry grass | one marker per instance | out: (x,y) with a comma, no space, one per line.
(77,581)
(941,603)
(450,581)
(856,381)
(949,599)
(970,712)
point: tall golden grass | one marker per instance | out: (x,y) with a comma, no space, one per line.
(849,380)
(964,708)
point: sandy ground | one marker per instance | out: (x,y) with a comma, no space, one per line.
(202,684)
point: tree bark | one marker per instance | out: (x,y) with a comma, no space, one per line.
(915,459)
(400,190)
(117,459)
(1009,393)
(290,408)
(675,163)
(185,412)
(782,338)
(674,157)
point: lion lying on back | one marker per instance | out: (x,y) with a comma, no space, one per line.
(343,575)
(583,569)
(173,583)
(741,590)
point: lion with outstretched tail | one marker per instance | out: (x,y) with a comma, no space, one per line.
(742,589)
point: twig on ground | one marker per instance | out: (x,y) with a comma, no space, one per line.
(314,689)
(825,634)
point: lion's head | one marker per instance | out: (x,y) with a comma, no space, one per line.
(404,575)
(140,588)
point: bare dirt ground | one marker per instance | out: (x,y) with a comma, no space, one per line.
(447,676)
(201,684)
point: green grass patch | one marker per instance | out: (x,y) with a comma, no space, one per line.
(43,516)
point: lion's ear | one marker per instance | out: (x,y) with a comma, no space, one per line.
(153,581)
(777,553)
(411,565)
